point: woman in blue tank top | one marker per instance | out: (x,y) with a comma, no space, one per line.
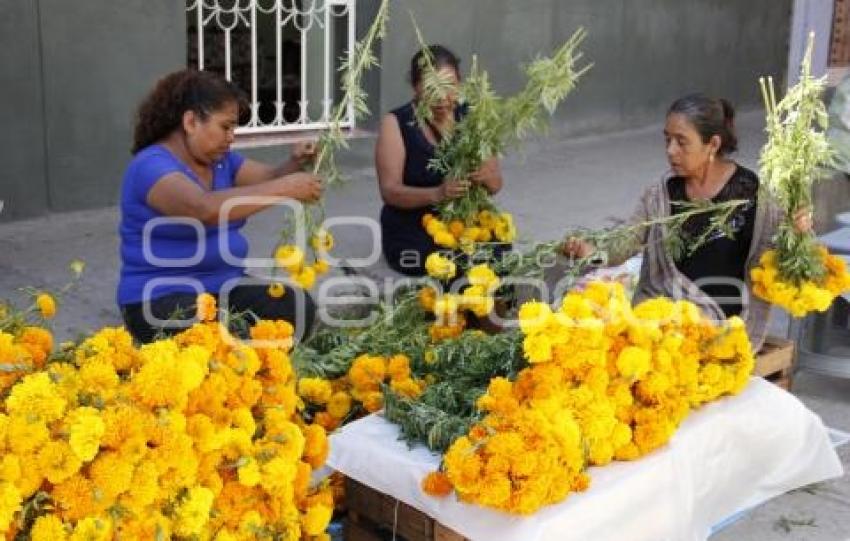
(179,234)
(409,188)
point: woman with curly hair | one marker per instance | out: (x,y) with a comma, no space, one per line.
(180,229)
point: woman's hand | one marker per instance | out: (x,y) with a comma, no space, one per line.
(488,170)
(575,247)
(803,222)
(453,188)
(304,152)
(304,187)
(489,175)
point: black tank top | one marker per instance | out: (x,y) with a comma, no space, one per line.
(402,228)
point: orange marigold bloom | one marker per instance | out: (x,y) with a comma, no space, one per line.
(206,307)
(437,484)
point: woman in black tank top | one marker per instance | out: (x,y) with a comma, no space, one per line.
(409,188)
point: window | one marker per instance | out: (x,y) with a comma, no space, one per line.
(285,54)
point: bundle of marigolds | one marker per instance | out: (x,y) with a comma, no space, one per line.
(798,275)
(485,226)
(293,260)
(331,403)
(604,381)
(476,296)
(193,437)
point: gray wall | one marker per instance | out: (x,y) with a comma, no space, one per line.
(72,73)
(645,52)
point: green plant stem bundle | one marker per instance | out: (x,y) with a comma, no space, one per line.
(796,150)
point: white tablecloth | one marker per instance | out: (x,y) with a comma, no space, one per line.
(729,455)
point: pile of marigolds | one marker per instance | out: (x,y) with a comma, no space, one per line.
(192,437)
(604,382)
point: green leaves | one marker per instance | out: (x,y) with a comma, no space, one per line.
(493,123)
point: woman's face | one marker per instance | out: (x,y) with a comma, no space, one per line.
(446,106)
(210,138)
(687,155)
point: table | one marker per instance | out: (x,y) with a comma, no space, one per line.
(728,456)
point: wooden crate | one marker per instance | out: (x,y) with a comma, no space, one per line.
(373,516)
(775,361)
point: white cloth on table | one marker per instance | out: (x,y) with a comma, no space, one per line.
(729,455)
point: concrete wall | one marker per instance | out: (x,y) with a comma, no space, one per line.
(73,72)
(23,183)
(645,52)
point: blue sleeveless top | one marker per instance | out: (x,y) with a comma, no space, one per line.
(402,228)
(205,262)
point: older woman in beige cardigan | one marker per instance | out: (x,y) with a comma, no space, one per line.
(700,135)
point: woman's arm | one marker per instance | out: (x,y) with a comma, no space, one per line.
(176,195)
(389,163)
(254,172)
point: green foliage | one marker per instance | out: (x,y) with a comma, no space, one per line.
(493,123)
(796,150)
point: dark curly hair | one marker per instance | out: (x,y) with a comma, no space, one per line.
(710,117)
(161,112)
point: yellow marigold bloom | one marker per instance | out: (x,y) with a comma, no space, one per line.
(482,275)
(534,316)
(322,241)
(46,305)
(537,348)
(86,430)
(367,372)
(10,468)
(48,528)
(75,498)
(316,390)
(440,267)
(205,307)
(250,523)
(276,290)
(321,266)
(315,521)
(373,401)
(398,367)
(267,329)
(26,437)
(249,472)
(445,239)
(39,342)
(339,405)
(306,278)
(10,501)
(437,484)
(98,377)
(193,513)
(316,445)
(406,387)
(92,529)
(111,473)
(57,461)
(633,362)
(289,257)
(36,397)
(278,475)
(427,298)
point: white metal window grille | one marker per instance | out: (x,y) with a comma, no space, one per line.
(285,54)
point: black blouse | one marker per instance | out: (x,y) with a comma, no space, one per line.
(721,256)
